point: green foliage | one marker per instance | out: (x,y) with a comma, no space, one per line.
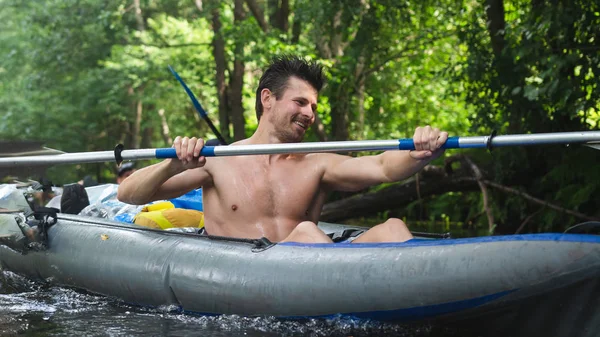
(74,72)
(544,79)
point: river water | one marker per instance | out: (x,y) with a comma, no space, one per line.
(34,309)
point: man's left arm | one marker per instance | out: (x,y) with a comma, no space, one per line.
(345,173)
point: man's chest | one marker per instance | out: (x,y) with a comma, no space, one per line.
(280,184)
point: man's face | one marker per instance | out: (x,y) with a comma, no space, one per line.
(294,112)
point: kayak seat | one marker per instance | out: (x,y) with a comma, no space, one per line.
(164,215)
(346,235)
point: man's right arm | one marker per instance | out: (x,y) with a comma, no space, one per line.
(160,181)
(169,178)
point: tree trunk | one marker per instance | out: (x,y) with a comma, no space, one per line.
(279,12)
(139,107)
(147,137)
(496,25)
(319,129)
(135,133)
(356,55)
(126,136)
(339,112)
(130,130)
(218,52)
(361,110)
(141,25)
(360,97)
(273,9)
(296,29)
(258,14)
(164,130)
(283,14)
(322,45)
(236,81)
(336,37)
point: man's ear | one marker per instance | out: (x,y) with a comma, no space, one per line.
(265,98)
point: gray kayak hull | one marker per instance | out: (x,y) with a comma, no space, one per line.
(479,280)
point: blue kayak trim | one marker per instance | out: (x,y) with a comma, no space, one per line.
(581,238)
(417,313)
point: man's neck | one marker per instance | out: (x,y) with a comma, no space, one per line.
(263,135)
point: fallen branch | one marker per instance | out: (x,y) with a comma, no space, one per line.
(432,181)
(539,201)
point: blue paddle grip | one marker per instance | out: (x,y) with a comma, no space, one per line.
(207,151)
(409,144)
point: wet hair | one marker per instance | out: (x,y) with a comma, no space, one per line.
(275,78)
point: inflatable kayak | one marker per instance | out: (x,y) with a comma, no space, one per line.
(543,284)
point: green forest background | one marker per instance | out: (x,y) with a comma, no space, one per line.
(84,75)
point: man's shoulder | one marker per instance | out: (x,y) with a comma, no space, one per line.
(245,141)
(326,159)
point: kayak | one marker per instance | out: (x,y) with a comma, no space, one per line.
(537,284)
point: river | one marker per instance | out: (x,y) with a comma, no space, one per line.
(34,309)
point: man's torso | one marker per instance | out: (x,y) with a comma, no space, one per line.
(262,196)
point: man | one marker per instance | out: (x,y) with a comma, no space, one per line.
(43,192)
(279,196)
(124,171)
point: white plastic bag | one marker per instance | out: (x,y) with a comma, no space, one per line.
(12,198)
(102,193)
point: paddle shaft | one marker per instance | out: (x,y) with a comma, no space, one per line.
(584,137)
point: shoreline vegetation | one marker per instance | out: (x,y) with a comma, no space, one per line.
(89,81)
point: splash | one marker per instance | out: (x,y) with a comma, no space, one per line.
(337,326)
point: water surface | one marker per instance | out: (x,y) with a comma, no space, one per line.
(34,309)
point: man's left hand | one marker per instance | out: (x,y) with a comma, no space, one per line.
(428,142)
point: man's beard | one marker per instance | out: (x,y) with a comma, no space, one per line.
(285,132)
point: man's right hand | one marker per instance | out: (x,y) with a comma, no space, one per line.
(163,180)
(188,153)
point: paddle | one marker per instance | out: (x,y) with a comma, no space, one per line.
(199,107)
(585,137)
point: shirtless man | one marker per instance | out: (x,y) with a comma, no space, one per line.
(279,196)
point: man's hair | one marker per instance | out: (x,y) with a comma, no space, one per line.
(275,78)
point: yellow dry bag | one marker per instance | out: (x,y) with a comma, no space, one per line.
(163,215)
